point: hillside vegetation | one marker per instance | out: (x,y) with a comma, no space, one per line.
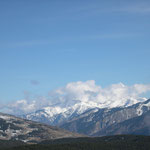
(122,142)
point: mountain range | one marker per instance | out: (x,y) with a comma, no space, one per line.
(79,122)
(89,119)
(97,122)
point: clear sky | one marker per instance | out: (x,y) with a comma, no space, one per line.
(45,44)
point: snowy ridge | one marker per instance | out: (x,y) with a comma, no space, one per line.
(58,114)
(142,107)
(96,120)
(54,115)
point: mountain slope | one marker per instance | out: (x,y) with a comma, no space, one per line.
(13,128)
(93,121)
(138,126)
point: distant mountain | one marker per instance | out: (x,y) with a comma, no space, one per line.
(13,128)
(87,118)
(98,121)
(61,112)
(56,115)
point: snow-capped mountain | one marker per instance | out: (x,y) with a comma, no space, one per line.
(74,99)
(55,115)
(65,103)
(87,118)
(60,113)
(98,122)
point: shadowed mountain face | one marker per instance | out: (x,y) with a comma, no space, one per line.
(13,128)
(138,126)
(112,121)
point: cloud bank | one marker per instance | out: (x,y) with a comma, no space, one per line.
(85,93)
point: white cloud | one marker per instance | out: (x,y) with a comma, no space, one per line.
(86,93)
(21,106)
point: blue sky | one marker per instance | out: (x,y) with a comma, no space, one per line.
(46,44)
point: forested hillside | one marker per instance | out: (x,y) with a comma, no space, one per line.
(122,142)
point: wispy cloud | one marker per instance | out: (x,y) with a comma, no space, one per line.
(137,8)
(134,8)
(113,36)
(66,39)
(102,8)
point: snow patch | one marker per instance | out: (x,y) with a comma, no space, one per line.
(140,108)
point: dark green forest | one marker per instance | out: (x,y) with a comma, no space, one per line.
(120,142)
